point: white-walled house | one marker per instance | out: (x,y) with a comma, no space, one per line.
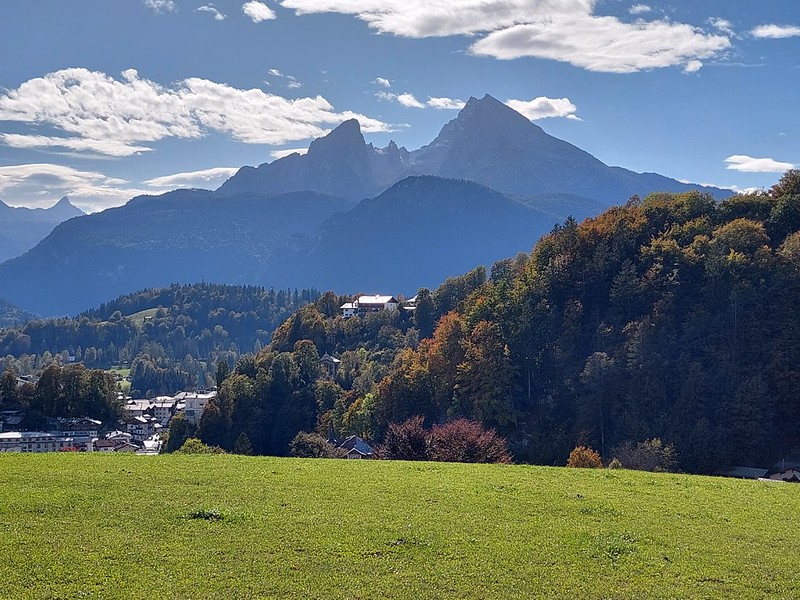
(349,309)
(368,304)
(142,428)
(195,403)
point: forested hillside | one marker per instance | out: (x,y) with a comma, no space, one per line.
(10,315)
(672,317)
(162,333)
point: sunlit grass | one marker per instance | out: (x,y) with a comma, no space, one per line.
(91,526)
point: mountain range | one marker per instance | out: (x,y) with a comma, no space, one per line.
(22,228)
(489,143)
(345,216)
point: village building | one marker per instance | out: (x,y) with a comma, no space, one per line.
(369,304)
(195,403)
(357,448)
(10,420)
(329,365)
(41,441)
(162,408)
(82,427)
(792,475)
(349,309)
(142,428)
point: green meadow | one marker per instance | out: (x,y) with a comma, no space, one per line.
(194,527)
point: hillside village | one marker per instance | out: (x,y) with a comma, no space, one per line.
(138,430)
(144,421)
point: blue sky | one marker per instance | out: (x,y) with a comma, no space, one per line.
(105,100)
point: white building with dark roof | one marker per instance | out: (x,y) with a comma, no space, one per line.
(368,304)
(41,441)
(195,403)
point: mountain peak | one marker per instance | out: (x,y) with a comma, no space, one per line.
(489,111)
(346,136)
(65,209)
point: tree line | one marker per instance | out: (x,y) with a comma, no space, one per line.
(72,391)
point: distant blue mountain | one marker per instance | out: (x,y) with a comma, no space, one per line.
(22,228)
(415,234)
(185,236)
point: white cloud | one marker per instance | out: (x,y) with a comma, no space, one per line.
(276,154)
(383,82)
(207,178)
(161,6)
(776,31)
(38,184)
(693,66)
(603,44)
(445,103)
(748,164)
(210,8)
(409,101)
(562,30)
(543,108)
(107,147)
(92,112)
(639,9)
(722,25)
(422,18)
(258,11)
(291,82)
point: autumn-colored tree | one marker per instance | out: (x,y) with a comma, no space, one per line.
(583,457)
(486,377)
(788,185)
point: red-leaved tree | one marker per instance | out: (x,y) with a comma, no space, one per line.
(405,441)
(466,441)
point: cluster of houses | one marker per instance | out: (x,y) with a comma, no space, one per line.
(138,430)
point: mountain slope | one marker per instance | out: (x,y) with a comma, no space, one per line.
(181,236)
(417,233)
(22,228)
(10,315)
(494,145)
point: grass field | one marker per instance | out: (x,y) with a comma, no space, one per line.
(122,372)
(140,317)
(92,526)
